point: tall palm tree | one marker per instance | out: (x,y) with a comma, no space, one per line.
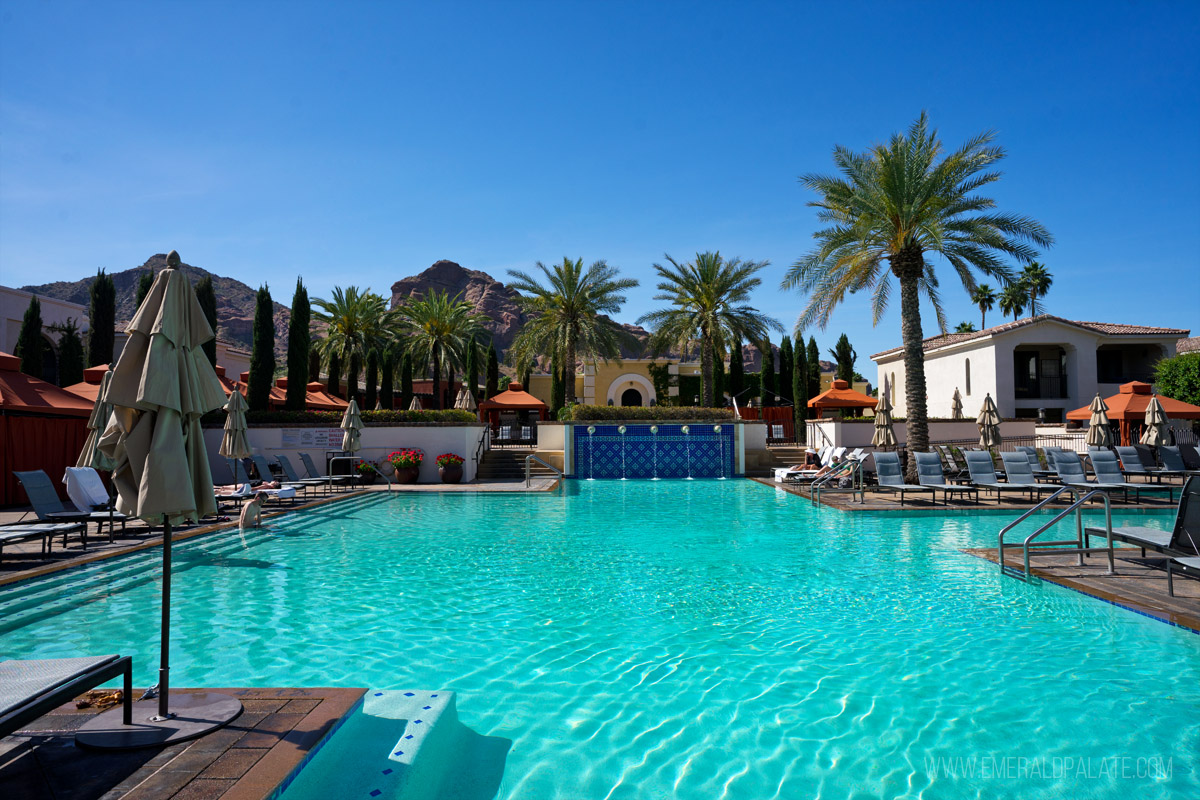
(965,327)
(1012,300)
(439,330)
(887,210)
(708,304)
(355,322)
(565,317)
(985,298)
(1037,282)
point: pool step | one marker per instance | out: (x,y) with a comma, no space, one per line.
(508,465)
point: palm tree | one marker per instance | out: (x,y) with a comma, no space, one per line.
(707,305)
(1037,282)
(437,330)
(985,298)
(355,322)
(564,318)
(890,207)
(1012,300)
(965,327)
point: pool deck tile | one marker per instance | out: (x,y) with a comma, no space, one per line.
(247,760)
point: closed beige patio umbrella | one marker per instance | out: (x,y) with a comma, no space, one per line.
(233,441)
(956,409)
(884,436)
(989,423)
(415,405)
(160,387)
(1099,433)
(465,400)
(1155,434)
(352,424)
(91,455)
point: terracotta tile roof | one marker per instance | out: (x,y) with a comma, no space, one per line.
(1191,345)
(1109,328)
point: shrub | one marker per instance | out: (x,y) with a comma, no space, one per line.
(334,418)
(1179,377)
(449,460)
(579,413)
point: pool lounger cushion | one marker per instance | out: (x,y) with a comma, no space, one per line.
(29,689)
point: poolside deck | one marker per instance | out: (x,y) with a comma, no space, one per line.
(1140,583)
(922,504)
(25,560)
(246,760)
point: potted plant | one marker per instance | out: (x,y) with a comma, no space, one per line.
(450,467)
(407,463)
(366,472)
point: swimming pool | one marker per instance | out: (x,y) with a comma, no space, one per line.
(691,639)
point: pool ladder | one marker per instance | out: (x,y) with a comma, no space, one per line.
(836,473)
(529,459)
(1081,541)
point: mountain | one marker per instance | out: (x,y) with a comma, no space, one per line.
(235,301)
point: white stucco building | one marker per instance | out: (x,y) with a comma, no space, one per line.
(1042,362)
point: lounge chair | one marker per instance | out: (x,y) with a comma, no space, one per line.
(1172,459)
(29,689)
(955,470)
(1018,472)
(14,534)
(87,491)
(293,476)
(1191,456)
(890,474)
(1035,463)
(1133,464)
(983,475)
(800,474)
(48,508)
(929,473)
(1181,545)
(313,472)
(1108,474)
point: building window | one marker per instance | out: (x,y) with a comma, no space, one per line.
(968,377)
(893,389)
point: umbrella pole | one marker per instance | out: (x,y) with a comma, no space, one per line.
(164,663)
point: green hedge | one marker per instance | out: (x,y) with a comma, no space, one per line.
(579,413)
(334,418)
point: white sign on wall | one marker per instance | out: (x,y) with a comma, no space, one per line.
(312,438)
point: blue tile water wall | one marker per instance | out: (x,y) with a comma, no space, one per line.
(701,453)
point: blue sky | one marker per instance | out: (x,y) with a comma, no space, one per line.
(358,143)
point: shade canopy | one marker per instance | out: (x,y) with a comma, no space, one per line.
(316,397)
(840,395)
(89,387)
(514,398)
(989,423)
(1130,402)
(352,424)
(26,394)
(91,455)
(885,435)
(1099,433)
(233,441)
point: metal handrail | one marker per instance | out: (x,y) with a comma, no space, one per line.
(387,478)
(837,472)
(1081,548)
(550,467)
(484,445)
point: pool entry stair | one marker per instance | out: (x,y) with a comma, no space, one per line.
(509,465)
(403,745)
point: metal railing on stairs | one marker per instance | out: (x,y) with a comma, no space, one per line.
(1081,541)
(531,458)
(851,468)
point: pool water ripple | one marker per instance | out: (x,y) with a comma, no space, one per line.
(674,639)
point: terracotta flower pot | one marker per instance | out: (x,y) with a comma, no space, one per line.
(451,474)
(407,474)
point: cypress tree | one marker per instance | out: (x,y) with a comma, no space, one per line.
(493,373)
(30,344)
(844,355)
(737,372)
(333,383)
(352,378)
(718,373)
(299,345)
(143,288)
(206,295)
(767,382)
(102,319)
(372,390)
(473,369)
(314,363)
(800,396)
(406,381)
(70,353)
(387,364)
(813,357)
(786,361)
(262,353)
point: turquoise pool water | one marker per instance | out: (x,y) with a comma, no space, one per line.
(703,639)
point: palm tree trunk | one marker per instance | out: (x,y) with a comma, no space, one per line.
(569,372)
(706,369)
(908,266)
(437,380)
(982,319)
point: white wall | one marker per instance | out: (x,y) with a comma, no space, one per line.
(377,442)
(859,434)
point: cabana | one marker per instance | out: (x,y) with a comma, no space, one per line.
(89,387)
(1128,409)
(840,395)
(41,427)
(514,401)
(316,398)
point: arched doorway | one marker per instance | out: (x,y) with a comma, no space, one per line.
(631,397)
(619,390)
